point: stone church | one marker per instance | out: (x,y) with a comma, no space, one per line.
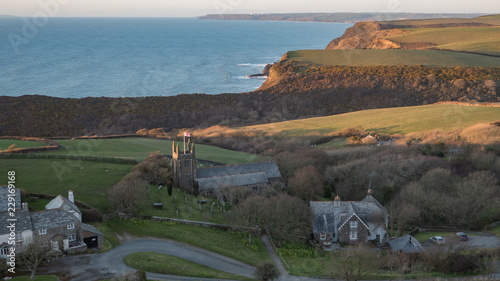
(207,181)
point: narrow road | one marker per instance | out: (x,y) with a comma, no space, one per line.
(110,264)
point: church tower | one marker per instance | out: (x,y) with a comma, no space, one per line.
(184,166)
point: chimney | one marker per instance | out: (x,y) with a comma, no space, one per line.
(25,206)
(370,192)
(336,202)
(71,197)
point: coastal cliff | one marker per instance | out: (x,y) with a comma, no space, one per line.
(366,35)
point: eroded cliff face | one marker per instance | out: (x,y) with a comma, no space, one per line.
(366,35)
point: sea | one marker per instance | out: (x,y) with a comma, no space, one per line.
(134,57)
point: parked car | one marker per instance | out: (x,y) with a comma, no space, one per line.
(462,236)
(438,240)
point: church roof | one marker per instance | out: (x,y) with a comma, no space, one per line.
(210,183)
(270,168)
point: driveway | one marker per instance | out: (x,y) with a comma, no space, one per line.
(109,264)
(481,240)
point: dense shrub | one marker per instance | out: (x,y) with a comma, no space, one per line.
(460,264)
(91,215)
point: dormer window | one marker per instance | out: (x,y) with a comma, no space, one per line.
(71,225)
(42,231)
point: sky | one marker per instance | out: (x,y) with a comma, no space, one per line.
(192,8)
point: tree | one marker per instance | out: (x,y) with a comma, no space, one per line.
(266,271)
(128,194)
(287,217)
(32,254)
(353,263)
(306,183)
(154,169)
(170,185)
(248,213)
(475,193)
(3,267)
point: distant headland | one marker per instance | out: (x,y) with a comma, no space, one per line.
(337,17)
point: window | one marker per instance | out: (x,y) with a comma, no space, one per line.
(42,231)
(71,225)
(4,251)
(72,237)
(322,236)
(354,230)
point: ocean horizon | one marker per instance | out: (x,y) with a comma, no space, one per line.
(134,57)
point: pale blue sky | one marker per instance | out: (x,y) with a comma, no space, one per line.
(191,8)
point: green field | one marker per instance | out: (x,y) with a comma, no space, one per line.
(165,264)
(4,144)
(400,120)
(392,57)
(139,148)
(89,180)
(490,20)
(472,39)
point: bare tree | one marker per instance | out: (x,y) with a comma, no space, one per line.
(353,263)
(248,213)
(306,183)
(128,194)
(287,217)
(32,254)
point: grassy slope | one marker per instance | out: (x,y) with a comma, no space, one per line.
(189,211)
(390,120)
(139,148)
(165,264)
(4,144)
(89,180)
(371,57)
(230,244)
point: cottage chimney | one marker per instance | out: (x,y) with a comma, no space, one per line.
(25,206)
(71,197)
(336,202)
(370,192)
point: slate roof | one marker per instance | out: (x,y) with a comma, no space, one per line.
(270,168)
(215,182)
(61,202)
(4,195)
(368,211)
(91,228)
(52,218)
(23,221)
(406,244)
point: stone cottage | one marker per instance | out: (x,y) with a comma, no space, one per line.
(349,222)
